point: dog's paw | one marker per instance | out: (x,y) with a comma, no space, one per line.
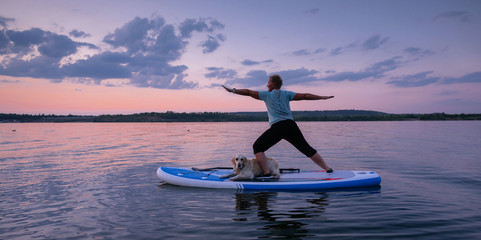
(227,175)
(238,178)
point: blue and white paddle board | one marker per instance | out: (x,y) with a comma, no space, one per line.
(299,180)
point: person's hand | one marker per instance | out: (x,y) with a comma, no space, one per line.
(227,89)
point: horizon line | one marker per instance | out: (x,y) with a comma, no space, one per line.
(194,112)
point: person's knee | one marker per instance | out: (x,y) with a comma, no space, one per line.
(310,152)
(257,148)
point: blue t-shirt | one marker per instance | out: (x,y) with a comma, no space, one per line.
(277,103)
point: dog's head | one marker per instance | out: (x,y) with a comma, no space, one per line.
(239,162)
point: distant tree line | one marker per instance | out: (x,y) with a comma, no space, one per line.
(395,117)
(170,116)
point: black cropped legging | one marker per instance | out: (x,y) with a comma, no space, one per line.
(287,130)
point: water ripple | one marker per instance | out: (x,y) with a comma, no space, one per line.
(97,181)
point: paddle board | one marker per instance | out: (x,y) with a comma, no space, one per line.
(290,180)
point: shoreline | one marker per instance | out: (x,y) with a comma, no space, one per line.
(301,116)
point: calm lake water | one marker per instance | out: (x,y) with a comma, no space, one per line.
(97,181)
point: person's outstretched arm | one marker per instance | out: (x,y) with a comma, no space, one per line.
(243,92)
(309,96)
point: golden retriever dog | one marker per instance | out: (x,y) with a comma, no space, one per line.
(245,169)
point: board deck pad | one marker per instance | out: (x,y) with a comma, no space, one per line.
(301,180)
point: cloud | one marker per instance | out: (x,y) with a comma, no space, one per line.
(415,80)
(341,50)
(44,64)
(374,42)
(21,42)
(337,51)
(141,35)
(4,21)
(78,34)
(418,52)
(319,50)
(461,16)
(51,49)
(258,78)
(302,52)
(212,43)
(474,77)
(296,76)
(38,67)
(101,66)
(422,79)
(57,46)
(9,81)
(220,73)
(376,70)
(199,25)
(381,67)
(4,42)
(152,45)
(302,75)
(143,51)
(307,52)
(253,78)
(249,62)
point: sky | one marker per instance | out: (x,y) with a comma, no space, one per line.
(122,57)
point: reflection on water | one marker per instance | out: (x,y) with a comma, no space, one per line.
(296,214)
(287,223)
